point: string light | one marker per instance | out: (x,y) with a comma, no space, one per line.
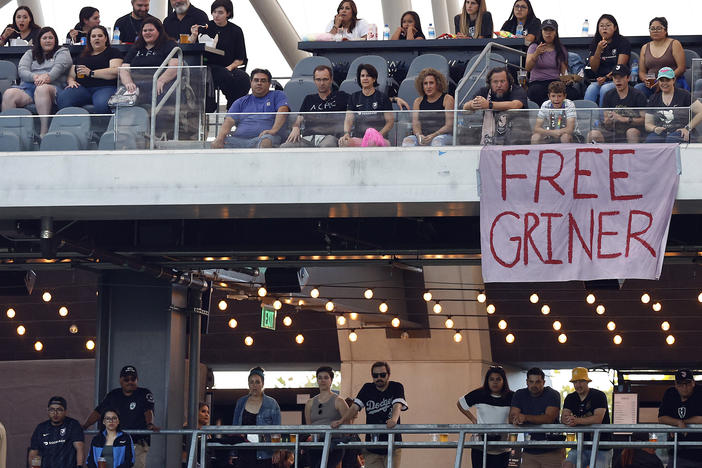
(670,339)
(611,326)
(437,308)
(63,311)
(341,320)
(21,330)
(395,322)
(534,298)
(38,345)
(262,292)
(368,293)
(248,341)
(353,316)
(665,326)
(329,305)
(545,309)
(557,325)
(353,337)
(617,339)
(482,297)
(502,324)
(232,323)
(427,296)
(699,298)
(299,339)
(590,299)
(404,335)
(449,323)
(600,309)
(383,307)
(509,338)
(46,297)
(73,329)
(287,321)
(90,345)
(656,306)
(645,298)
(457,337)
(222,305)
(277,305)
(314,293)
(11,313)
(300,303)
(490,309)
(562,338)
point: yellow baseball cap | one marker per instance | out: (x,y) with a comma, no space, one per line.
(580,373)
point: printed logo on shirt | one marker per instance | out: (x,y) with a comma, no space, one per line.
(150,397)
(268,103)
(132,405)
(382,406)
(375,105)
(62,432)
(682,411)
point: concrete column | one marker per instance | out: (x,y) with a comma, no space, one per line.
(136,325)
(158,8)
(443,15)
(281,30)
(37,11)
(392,12)
(435,371)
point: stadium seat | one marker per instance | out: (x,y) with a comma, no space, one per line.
(585,115)
(305,68)
(491,60)
(69,130)
(296,89)
(350,86)
(8,74)
(126,129)
(16,130)
(689,55)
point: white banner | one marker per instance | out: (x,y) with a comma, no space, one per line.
(575,212)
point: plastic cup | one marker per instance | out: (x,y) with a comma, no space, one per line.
(275,438)
(513,437)
(36,461)
(443,437)
(293,437)
(185,39)
(102,462)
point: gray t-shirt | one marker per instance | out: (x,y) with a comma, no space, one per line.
(528,404)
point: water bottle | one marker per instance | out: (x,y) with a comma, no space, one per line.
(586,28)
(432,31)
(634,71)
(520,29)
(115,36)
(386,33)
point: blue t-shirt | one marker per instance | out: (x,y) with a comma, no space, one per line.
(536,406)
(264,108)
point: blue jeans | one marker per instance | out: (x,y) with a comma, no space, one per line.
(439,140)
(596,93)
(601,461)
(231,141)
(81,96)
(665,137)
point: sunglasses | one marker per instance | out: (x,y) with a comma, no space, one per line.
(382,375)
(320,408)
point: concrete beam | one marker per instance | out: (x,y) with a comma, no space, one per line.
(281,30)
(392,12)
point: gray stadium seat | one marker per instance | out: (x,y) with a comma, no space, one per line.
(126,129)
(305,67)
(491,60)
(296,90)
(69,130)
(586,115)
(8,74)
(350,86)
(407,89)
(16,130)
(689,55)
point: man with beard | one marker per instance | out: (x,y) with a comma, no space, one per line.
(682,405)
(182,18)
(129,25)
(58,440)
(383,400)
(499,96)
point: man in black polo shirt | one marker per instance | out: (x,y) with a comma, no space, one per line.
(682,405)
(383,401)
(58,440)
(130,24)
(182,18)
(136,411)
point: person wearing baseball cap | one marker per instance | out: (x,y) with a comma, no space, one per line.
(58,441)
(135,406)
(669,124)
(584,407)
(682,405)
(621,123)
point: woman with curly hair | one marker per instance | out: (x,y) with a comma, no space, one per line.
(431,128)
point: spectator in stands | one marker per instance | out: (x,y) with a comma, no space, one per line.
(112,444)
(688,130)
(150,50)
(323,130)
(662,51)
(556,121)
(668,124)
(410,28)
(625,124)
(523,22)
(322,410)
(547,61)
(431,128)
(374,111)
(182,19)
(135,406)
(258,116)
(346,22)
(538,404)
(88,18)
(639,457)
(500,95)
(474,21)
(58,440)
(383,400)
(22,27)
(42,70)
(584,407)
(130,24)
(229,70)
(203,419)
(256,409)
(607,50)
(492,404)
(682,405)
(94,78)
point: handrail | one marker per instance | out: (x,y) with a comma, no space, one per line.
(154,91)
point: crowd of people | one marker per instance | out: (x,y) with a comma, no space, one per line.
(59,441)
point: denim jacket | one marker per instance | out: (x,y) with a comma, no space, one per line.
(268,415)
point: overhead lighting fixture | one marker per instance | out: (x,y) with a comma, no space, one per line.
(502,324)
(232,323)
(353,337)
(46,297)
(437,308)
(353,316)
(38,345)
(562,338)
(481,297)
(287,321)
(509,338)
(427,296)
(21,330)
(557,325)
(395,322)
(457,337)
(617,339)
(670,339)
(590,299)
(645,298)
(341,320)
(11,313)
(611,326)
(449,323)
(534,298)
(545,309)
(329,306)
(249,341)
(299,339)
(73,329)
(490,309)
(656,306)
(600,309)
(222,305)
(277,305)
(314,293)
(383,307)
(262,292)
(90,345)
(368,293)
(665,326)
(699,298)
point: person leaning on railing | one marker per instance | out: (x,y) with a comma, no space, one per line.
(431,128)
(681,406)
(322,410)
(115,446)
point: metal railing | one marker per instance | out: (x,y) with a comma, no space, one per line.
(175,87)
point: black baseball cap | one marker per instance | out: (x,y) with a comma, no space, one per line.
(549,23)
(621,70)
(128,370)
(683,375)
(57,400)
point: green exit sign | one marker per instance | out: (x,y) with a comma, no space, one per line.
(268,315)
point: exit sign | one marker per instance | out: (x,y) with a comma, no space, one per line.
(268,315)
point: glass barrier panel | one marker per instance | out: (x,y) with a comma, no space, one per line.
(696,85)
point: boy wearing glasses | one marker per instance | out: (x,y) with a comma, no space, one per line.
(383,400)
(58,441)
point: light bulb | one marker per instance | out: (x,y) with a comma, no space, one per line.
(299,339)
(656,306)
(368,293)
(509,338)
(545,309)
(457,337)
(590,298)
(617,339)
(248,341)
(277,305)
(90,345)
(314,293)
(449,323)
(427,296)
(383,307)
(38,345)
(699,298)
(534,298)
(670,339)
(490,309)
(63,311)
(21,330)
(222,305)
(562,338)
(353,316)
(645,298)
(502,324)
(287,321)
(404,335)
(262,292)
(73,329)
(353,337)
(611,326)
(233,323)
(300,302)
(600,309)
(329,305)
(11,313)
(665,326)
(46,297)
(437,308)
(395,322)
(557,325)
(482,297)
(341,320)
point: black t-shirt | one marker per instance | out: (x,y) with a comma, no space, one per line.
(673,406)
(533,26)
(175,27)
(378,406)
(55,443)
(231,41)
(671,119)
(129,28)
(634,98)
(485,28)
(368,111)
(131,408)
(641,459)
(610,54)
(78,27)
(585,408)
(98,62)
(516,93)
(324,124)
(154,57)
